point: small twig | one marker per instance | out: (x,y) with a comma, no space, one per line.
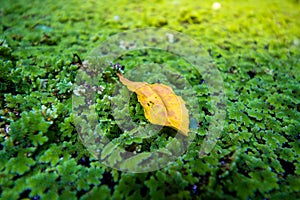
(75,55)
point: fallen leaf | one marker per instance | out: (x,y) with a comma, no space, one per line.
(161,105)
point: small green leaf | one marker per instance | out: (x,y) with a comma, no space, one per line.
(51,155)
(20,164)
(38,139)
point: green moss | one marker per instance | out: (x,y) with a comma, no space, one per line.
(255,45)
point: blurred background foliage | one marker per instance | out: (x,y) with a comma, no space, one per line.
(255,45)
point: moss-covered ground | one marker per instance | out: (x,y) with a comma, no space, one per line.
(255,46)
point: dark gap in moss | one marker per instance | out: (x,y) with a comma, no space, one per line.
(232,69)
(109,116)
(290,138)
(200,186)
(36,197)
(206,111)
(131,192)
(144,190)
(286,145)
(279,119)
(131,147)
(260,140)
(226,190)
(258,194)
(252,73)
(169,131)
(243,169)
(114,133)
(16,177)
(146,144)
(80,193)
(288,167)
(25,194)
(107,179)
(271,107)
(84,161)
(74,154)
(219,56)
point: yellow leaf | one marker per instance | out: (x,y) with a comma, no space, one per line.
(161,105)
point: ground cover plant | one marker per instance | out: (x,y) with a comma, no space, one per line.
(255,46)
